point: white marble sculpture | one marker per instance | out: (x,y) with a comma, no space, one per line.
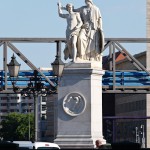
(89,38)
(74,24)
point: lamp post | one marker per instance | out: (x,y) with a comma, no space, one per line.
(35,87)
(29,123)
(28,115)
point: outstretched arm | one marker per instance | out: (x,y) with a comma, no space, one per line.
(60,7)
(77,9)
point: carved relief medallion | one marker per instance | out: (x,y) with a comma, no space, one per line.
(74,104)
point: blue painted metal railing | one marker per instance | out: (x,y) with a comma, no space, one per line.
(24,78)
(124,80)
(139,78)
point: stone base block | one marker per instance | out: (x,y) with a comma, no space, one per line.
(77,142)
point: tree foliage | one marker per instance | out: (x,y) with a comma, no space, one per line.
(16,126)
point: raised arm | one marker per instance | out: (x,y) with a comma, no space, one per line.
(60,7)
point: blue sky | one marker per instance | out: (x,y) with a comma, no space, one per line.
(39,18)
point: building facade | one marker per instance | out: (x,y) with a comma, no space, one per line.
(136,105)
(10,103)
(14,103)
(125,106)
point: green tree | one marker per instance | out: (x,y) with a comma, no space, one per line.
(16,126)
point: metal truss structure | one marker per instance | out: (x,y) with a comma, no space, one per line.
(114,81)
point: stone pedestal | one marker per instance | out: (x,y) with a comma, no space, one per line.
(80,106)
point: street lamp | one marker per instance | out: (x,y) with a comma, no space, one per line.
(35,87)
(13,68)
(58,66)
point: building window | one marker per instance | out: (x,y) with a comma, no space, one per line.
(4,104)
(44,99)
(43,107)
(14,98)
(13,104)
(132,106)
(4,110)
(3,98)
(43,117)
(3,117)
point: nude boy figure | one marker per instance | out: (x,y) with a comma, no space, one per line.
(74,24)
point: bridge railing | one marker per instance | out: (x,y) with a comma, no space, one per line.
(24,78)
(119,81)
(126,82)
(112,44)
(9,43)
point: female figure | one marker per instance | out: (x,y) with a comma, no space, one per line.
(91,39)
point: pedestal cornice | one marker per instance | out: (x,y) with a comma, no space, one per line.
(83,68)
